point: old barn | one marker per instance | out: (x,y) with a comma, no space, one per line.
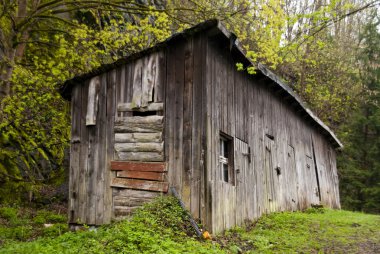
(234,145)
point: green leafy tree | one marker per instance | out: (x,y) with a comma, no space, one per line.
(258,25)
(320,55)
(359,162)
(41,49)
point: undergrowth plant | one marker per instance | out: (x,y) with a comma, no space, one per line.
(157,227)
(163,227)
(22,224)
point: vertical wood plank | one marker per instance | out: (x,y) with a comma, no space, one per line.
(75,153)
(83,167)
(90,177)
(169,114)
(101,136)
(205,206)
(159,89)
(187,124)
(149,77)
(178,123)
(122,86)
(110,116)
(137,83)
(209,180)
(196,130)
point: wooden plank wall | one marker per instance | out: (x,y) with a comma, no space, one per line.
(184,122)
(179,94)
(138,133)
(287,152)
(89,192)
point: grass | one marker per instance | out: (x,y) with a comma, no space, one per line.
(162,227)
(159,227)
(26,224)
(313,231)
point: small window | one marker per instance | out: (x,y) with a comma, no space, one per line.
(226,159)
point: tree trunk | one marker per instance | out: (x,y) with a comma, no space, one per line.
(15,50)
(6,74)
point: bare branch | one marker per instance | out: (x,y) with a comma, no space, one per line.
(37,42)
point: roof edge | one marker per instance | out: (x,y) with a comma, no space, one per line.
(264,70)
(268,73)
(65,88)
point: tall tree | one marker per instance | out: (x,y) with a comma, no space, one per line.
(359,162)
(21,19)
(319,54)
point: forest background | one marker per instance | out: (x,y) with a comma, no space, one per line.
(328,51)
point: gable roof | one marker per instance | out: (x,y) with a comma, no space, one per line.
(277,83)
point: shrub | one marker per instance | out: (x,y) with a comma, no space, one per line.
(44,216)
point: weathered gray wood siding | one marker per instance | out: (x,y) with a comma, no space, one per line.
(184,122)
(286,150)
(139,139)
(116,135)
(89,192)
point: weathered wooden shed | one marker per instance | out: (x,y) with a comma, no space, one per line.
(234,145)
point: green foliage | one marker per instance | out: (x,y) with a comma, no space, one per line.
(158,227)
(319,60)
(258,25)
(34,120)
(323,76)
(315,210)
(44,216)
(54,230)
(359,163)
(9,214)
(161,227)
(23,224)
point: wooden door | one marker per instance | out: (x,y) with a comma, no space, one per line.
(244,192)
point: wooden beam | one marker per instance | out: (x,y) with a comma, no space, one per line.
(140,156)
(121,211)
(136,197)
(140,120)
(146,124)
(144,128)
(122,107)
(138,137)
(139,147)
(140,184)
(138,166)
(155,176)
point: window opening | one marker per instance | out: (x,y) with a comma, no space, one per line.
(226,158)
